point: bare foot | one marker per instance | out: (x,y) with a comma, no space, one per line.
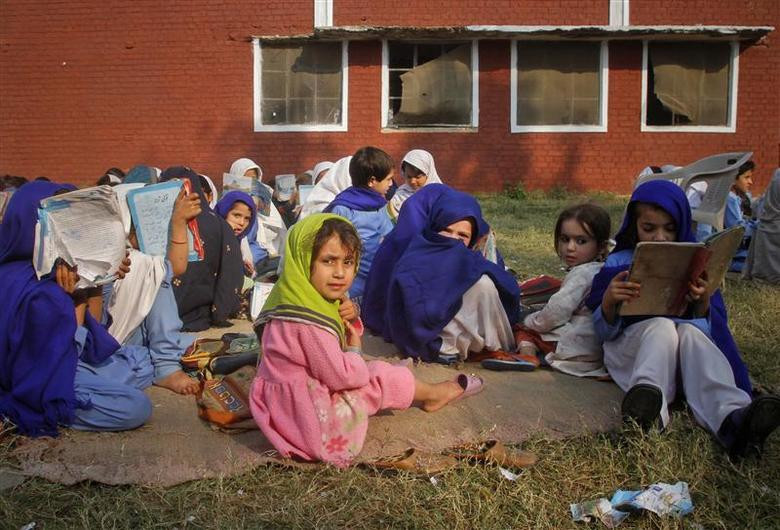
(180,383)
(441,394)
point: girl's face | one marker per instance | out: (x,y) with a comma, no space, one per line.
(744,182)
(414,178)
(239,217)
(654,224)
(333,269)
(381,186)
(461,230)
(575,245)
(252,173)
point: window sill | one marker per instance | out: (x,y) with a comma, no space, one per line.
(559,129)
(688,128)
(422,130)
(300,128)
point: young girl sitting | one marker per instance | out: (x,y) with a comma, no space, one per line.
(648,356)
(445,301)
(563,330)
(238,209)
(313,392)
(418,169)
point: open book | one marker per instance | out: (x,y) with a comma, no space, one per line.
(151,208)
(665,268)
(83,228)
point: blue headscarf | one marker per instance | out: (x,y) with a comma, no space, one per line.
(142,174)
(411,221)
(226,203)
(358,198)
(427,285)
(671,198)
(38,356)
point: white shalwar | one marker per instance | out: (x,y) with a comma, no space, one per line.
(661,352)
(566,320)
(480,323)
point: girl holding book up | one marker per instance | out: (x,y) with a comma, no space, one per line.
(648,356)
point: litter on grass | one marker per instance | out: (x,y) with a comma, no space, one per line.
(659,498)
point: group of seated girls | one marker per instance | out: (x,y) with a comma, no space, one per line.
(418,273)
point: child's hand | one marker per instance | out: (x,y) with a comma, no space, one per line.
(186,207)
(697,293)
(124,268)
(619,290)
(249,269)
(353,336)
(66,277)
(347,310)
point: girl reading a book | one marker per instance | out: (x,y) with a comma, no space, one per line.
(208,293)
(313,392)
(142,304)
(648,356)
(445,301)
(563,329)
(60,366)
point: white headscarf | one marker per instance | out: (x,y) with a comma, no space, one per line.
(319,168)
(132,297)
(242,165)
(214,192)
(336,181)
(423,161)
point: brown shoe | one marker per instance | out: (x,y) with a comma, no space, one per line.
(417,461)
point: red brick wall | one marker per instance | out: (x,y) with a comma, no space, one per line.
(706,12)
(467,12)
(173,85)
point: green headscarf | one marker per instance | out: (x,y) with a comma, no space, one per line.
(294,297)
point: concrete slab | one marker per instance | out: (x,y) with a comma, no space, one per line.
(176,446)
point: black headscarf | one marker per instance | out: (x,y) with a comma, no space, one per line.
(209,291)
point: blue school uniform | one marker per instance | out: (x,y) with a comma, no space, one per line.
(159,334)
(52,371)
(366,210)
(672,200)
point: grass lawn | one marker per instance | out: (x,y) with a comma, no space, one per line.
(725,495)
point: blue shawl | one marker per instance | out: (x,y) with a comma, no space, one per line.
(226,203)
(411,221)
(671,198)
(38,354)
(358,198)
(427,284)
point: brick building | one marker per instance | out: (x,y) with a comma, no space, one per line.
(575,93)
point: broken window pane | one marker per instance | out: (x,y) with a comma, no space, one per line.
(429,84)
(558,83)
(301,83)
(688,83)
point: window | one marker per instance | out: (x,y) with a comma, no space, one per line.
(559,86)
(429,84)
(689,86)
(300,86)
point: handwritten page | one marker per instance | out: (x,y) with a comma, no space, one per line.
(84,228)
(232,182)
(151,208)
(303,192)
(285,186)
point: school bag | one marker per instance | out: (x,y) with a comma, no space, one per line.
(222,356)
(538,290)
(224,401)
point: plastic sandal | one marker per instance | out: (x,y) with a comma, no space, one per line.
(471,384)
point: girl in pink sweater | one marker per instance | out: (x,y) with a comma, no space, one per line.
(313,392)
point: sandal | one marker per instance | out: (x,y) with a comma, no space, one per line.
(495,452)
(471,384)
(417,461)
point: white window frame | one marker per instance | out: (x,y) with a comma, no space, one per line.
(730,127)
(603,97)
(258,97)
(385,102)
